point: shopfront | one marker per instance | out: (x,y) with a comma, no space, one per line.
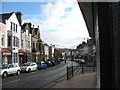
(6,56)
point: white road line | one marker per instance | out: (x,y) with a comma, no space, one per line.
(10,82)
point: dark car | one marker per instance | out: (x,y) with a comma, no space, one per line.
(53,62)
(81,61)
(49,63)
(57,61)
(61,59)
(41,65)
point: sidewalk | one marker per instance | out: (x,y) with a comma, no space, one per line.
(80,81)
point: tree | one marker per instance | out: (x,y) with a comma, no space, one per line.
(57,54)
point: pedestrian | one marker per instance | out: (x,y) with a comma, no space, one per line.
(65,60)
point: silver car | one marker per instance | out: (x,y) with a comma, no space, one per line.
(10,69)
(28,67)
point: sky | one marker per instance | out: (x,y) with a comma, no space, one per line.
(61,22)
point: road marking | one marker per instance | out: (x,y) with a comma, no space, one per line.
(33,76)
(10,82)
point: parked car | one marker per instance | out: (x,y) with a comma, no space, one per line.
(49,63)
(53,62)
(57,61)
(41,65)
(10,69)
(61,59)
(81,61)
(77,60)
(28,67)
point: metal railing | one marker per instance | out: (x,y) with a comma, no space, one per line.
(88,67)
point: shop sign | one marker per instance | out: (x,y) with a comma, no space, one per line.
(6,53)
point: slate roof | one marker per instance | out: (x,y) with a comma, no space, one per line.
(5,16)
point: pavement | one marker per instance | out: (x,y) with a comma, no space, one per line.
(80,81)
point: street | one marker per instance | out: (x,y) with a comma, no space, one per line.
(37,79)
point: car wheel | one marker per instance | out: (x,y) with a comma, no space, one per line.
(29,70)
(4,74)
(18,72)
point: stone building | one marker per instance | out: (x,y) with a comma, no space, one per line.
(36,45)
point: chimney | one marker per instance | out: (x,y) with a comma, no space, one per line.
(19,16)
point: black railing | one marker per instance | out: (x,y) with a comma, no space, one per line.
(69,72)
(87,67)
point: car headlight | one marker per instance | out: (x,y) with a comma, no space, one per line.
(1,72)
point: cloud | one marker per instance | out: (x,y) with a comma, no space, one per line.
(61,23)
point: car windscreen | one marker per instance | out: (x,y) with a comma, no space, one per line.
(26,64)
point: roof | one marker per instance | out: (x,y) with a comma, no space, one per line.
(5,16)
(87,12)
(26,26)
(36,30)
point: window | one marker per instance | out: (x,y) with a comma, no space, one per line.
(14,57)
(11,26)
(17,42)
(29,44)
(16,27)
(9,40)
(33,45)
(14,41)
(22,43)
(2,40)
(26,43)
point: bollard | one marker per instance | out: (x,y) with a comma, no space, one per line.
(72,71)
(67,73)
(82,69)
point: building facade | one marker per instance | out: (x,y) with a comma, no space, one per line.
(37,52)
(25,53)
(51,52)
(12,23)
(3,47)
(46,52)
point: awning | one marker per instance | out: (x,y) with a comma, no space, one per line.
(27,53)
(5,51)
(87,9)
(20,50)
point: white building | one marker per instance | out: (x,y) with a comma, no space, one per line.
(4,52)
(46,52)
(51,51)
(25,53)
(12,23)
